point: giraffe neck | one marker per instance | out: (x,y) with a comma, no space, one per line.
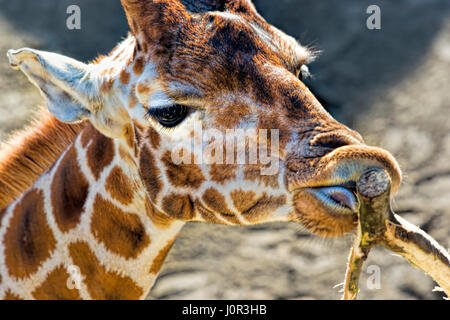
(28,153)
(86,221)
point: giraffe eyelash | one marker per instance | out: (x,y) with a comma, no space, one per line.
(169,117)
(148,117)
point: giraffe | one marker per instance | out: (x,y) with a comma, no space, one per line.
(93,184)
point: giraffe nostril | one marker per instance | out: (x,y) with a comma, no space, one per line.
(330,141)
(331,144)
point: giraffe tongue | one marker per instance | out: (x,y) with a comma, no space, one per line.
(337,196)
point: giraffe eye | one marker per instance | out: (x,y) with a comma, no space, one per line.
(170,116)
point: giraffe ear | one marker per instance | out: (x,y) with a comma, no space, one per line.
(64,82)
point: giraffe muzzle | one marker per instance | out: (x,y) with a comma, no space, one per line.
(324,188)
(342,166)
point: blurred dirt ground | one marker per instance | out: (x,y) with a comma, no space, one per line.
(392,85)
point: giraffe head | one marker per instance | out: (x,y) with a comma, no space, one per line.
(207,96)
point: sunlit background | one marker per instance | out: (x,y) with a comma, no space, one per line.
(392,85)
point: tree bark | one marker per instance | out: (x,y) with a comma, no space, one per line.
(379,225)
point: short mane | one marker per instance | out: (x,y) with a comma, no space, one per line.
(29,152)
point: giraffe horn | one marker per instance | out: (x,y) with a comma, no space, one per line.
(154,18)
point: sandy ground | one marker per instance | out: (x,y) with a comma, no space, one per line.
(392,85)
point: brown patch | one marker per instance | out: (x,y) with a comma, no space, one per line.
(159,260)
(155,138)
(126,156)
(222,173)
(69,191)
(87,135)
(159,219)
(129,136)
(100,152)
(138,67)
(143,92)
(207,214)
(55,287)
(178,207)
(269,121)
(9,296)
(31,151)
(132,99)
(263,208)
(253,173)
(124,77)
(215,201)
(232,115)
(29,241)
(150,173)
(2,214)
(139,128)
(183,175)
(243,200)
(106,86)
(102,285)
(120,186)
(143,89)
(145,47)
(122,233)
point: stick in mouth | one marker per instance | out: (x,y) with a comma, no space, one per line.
(379,225)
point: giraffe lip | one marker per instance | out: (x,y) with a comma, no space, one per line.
(340,198)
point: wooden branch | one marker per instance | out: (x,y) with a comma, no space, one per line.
(379,225)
